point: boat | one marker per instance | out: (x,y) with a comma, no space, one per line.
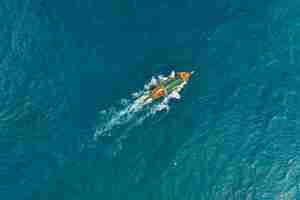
(163,88)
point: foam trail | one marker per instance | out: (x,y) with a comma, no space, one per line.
(113,117)
(117,146)
(124,116)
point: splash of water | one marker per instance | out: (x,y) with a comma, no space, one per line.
(133,112)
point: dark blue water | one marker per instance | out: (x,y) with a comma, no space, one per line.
(68,68)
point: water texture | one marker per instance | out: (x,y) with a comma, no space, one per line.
(68,70)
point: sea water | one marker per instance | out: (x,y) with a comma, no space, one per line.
(68,70)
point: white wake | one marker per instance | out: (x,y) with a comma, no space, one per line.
(130,113)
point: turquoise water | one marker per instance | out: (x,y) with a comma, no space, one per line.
(68,70)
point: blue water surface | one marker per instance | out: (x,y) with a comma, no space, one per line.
(68,68)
